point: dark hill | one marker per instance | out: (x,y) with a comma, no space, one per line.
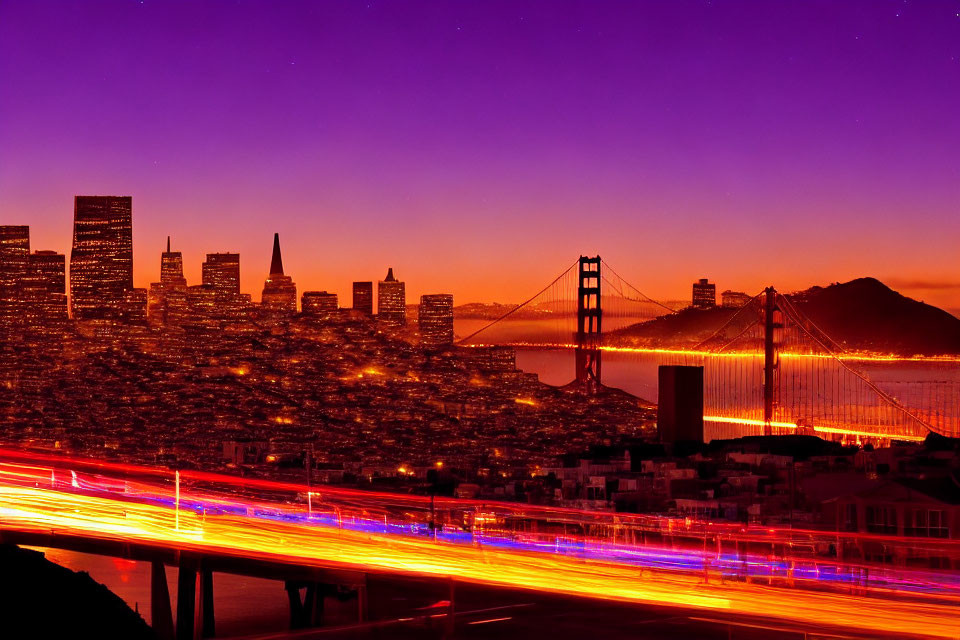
(867,314)
(863,314)
(39,599)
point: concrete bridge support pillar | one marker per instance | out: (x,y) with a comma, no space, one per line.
(314,603)
(208,629)
(160,612)
(362,603)
(186,601)
(450,622)
(306,603)
(195,617)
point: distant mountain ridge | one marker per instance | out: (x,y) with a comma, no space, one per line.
(861,315)
(539,311)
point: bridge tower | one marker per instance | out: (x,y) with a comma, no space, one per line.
(589,316)
(771,358)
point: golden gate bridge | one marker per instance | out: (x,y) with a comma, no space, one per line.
(768,369)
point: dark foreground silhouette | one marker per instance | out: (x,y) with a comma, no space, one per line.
(40,599)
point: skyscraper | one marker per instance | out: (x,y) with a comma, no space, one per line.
(166,301)
(279,290)
(221,275)
(704,294)
(318,303)
(391,301)
(435,318)
(45,290)
(222,272)
(363,297)
(14,266)
(101,262)
(133,309)
(171,267)
(202,307)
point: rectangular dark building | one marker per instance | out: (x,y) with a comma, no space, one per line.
(680,404)
(14,266)
(436,320)
(222,272)
(391,301)
(101,262)
(316,304)
(44,289)
(363,297)
(704,294)
(171,267)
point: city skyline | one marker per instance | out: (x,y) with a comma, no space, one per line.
(205,270)
(554,317)
(788,139)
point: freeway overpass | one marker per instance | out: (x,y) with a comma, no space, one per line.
(317,539)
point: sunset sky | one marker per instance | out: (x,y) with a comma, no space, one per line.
(479,147)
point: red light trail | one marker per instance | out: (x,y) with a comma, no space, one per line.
(34,499)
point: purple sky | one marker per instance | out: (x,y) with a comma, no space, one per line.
(480,147)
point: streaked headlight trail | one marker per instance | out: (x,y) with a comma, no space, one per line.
(38,497)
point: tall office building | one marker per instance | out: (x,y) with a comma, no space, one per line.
(221,275)
(166,300)
(222,272)
(50,267)
(435,318)
(45,289)
(133,309)
(315,304)
(171,267)
(704,294)
(202,307)
(14,266)
(279,290)
(363,297)
(391,301)
(101,262)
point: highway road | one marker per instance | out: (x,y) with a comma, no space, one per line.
(36,497)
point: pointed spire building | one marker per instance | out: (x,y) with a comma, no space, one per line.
(276,262)
(279,290)
(166,300)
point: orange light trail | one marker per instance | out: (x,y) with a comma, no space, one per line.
(25,508)
(27,470)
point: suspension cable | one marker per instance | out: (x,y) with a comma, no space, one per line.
(519,306)
(728,322)
(739,335)
(823,333)
(642,294)
(880,392)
